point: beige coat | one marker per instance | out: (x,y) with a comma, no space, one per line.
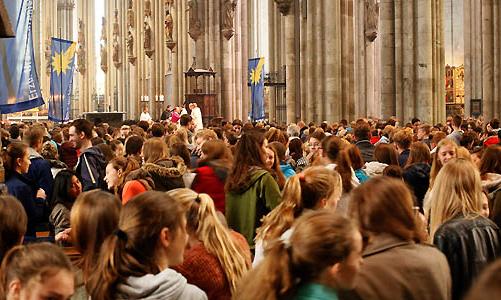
(396,269)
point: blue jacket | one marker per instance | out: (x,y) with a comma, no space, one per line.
(287,170)
(40,173)
(20,187)
(91,169)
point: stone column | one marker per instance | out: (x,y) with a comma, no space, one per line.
(387,12)
(290,63)
(487,58)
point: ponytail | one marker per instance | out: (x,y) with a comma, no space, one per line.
(302,191)
(202,220)
(131,250)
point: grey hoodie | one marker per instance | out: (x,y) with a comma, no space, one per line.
(168,285)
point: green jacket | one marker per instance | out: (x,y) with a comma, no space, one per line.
(246,208)
(315,291)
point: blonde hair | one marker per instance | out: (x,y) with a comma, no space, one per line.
(462,152)
(437,165)
(216,238)
(457,190)
(302,191)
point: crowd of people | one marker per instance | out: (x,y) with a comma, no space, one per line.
(369,209)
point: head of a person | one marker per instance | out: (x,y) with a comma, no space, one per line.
(13,222)
(362,131)
(386,154)
(296,149)
(80,131)
(436,138)
(150,238)
(457,120)
(237,126)
(275,135)
(16,158)
(133,145)
(124,131)
(94,216)
(322,246)
(279,150)
(117,147)
(446,150)
(157,130)
(14,131)
(385,205)
(293,130)
(203,224)
(49,151)
(271,158)
(34,137)
(181,150)
(402,139)
(145,109)
(37,271)
(419,153)
(249,152)
(216,150)
(423,132)
(154,149)
(457,190)
(204,135)
(187,121)
(117,169)
(491,161)
(315,140)
(314,188)
(66,189)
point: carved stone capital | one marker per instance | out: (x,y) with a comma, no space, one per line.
(284,6)
(170,44)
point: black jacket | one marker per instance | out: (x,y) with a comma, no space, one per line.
(417,177)
(469,243)
(366,150)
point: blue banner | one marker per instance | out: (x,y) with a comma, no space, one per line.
(19,85)
(256,77)
(61,79)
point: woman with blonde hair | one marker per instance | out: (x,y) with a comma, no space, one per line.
(321,256)
(469,240)
(446,150)
(315,188)
(397,261)
(217,257)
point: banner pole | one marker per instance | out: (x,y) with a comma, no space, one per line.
(61,66)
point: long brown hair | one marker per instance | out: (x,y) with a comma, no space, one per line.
(275,168)
(94,217)
(386,154)
(335,149)
(319,239)
(384,205)
(491,161)
(14,151)
(249,153)
(216,150)
(302,191)
(126,165)
(132,250)
(202,220)
(154,149)
(32,262)
(13,222)
(419,153)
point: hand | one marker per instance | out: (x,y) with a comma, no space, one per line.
(64,236)
(41,194)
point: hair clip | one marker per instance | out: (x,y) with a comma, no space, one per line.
(286,239)
(197,199)
(122,235)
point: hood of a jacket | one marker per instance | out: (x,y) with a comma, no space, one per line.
(167,284)
(33,153)
(374,168)
(143,176)
(418,170)
(96,153)
(167,167)
(255,174)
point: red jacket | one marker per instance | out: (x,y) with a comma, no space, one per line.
(206,181)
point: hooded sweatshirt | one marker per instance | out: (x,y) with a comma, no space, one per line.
(166,285)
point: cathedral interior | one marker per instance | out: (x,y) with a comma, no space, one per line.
(324,59)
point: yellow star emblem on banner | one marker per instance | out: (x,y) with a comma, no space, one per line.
(255,74)
(61,61)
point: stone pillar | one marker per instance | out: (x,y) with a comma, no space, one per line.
(290,63)
(388,82)
(86,82)
(487,58)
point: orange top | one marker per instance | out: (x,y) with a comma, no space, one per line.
(131,189)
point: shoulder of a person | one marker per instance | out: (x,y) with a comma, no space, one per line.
(192,292)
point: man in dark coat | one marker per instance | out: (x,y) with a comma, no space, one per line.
(362,135)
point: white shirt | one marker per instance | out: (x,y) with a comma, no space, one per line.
(145,116)
(196,114)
